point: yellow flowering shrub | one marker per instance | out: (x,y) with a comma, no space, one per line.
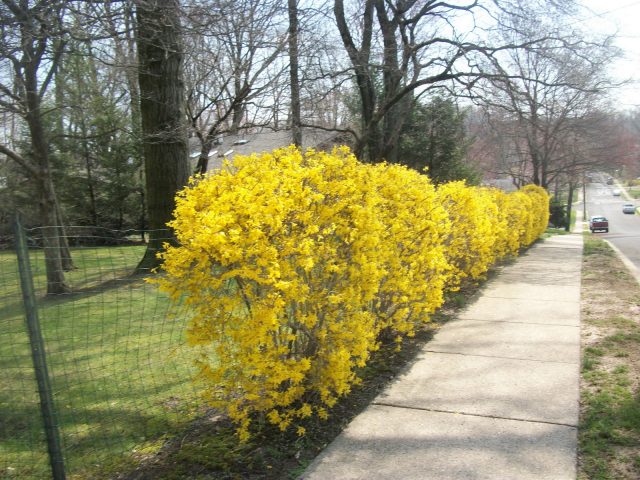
(538,214)
(470,245)
(294,263)
(412,252)
(278,260)
(527,213)
(508,233)
(512,211)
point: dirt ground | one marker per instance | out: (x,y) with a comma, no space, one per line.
(611,365)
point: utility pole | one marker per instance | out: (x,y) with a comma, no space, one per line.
(584,197)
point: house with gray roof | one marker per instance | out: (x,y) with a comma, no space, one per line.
(262,141)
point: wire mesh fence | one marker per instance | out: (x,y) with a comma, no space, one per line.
(120,375)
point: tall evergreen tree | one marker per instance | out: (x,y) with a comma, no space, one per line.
(434,140)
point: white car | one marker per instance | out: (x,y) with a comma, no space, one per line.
(616,192)
(629,208)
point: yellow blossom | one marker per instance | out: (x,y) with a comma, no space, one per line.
(293,264)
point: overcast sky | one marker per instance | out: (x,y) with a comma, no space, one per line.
(621,17)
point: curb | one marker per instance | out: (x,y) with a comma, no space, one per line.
(633,270)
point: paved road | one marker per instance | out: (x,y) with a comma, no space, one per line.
(624,229)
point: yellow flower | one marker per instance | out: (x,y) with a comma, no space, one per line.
(292,264)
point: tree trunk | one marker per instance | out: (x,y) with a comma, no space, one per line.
(238,108)
(203,159)
(162,114)
(567,225)
(394,123)
(535,167)
(544,174)
(60,102)
(47,202)
(296,130)
(93,209)
(371,149)
(142,225)
(368,145)
(65,251)
(393,120)
(53,258)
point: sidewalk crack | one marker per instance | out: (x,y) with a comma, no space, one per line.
(501,357)
(467,414)
(516,322)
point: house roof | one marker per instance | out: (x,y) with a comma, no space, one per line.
(247,143)
(505,184)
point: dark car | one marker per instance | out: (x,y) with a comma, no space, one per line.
(598,223)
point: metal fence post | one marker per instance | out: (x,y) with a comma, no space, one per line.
(38,355)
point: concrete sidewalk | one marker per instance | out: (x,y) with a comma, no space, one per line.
(493,396)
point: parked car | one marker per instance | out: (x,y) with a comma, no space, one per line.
(598,223)
(616,192)
(609,181)
(629,208)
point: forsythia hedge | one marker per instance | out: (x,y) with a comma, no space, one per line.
(294,264)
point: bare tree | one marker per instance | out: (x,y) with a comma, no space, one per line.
(625,129)
(497,148)
(401,49)
(325,83)
(546,98)
(31,45)
(419,49)
(233,63)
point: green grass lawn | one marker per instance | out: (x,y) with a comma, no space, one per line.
(120,372)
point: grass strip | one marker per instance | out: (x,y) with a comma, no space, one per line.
(609,434)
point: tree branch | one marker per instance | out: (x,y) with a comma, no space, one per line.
(20,160)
